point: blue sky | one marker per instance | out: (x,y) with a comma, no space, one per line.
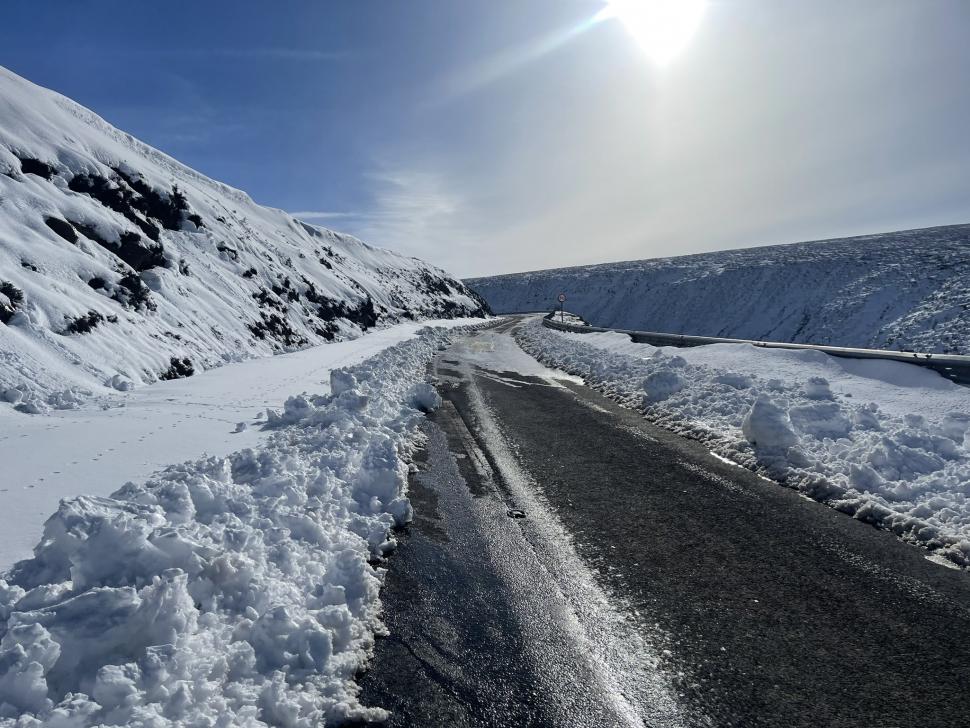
(501,135)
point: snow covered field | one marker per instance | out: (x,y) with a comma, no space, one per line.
(888,443)
(123,436)
(232,589)
(902,290)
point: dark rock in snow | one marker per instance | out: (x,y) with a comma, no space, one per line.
(11,299)
(178,369)
(82,324)
(62,228)
(29,165)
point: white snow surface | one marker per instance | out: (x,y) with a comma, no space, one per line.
(905,290)
(497,353)
(123,436)
(886,442)
(110,279)
(232,590)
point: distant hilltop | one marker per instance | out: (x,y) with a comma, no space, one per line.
(907,290)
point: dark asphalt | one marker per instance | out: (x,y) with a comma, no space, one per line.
(762,608)
(459,652)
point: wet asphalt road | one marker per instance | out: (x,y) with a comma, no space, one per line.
(649,583)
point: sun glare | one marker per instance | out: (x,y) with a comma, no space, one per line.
(663,28)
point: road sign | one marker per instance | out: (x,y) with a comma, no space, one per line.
(562,298)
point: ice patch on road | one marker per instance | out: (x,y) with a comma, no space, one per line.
(498,353)
(225,591)
(889,445)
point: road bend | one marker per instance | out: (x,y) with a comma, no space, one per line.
(572,565)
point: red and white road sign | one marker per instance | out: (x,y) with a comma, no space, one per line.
(562,298)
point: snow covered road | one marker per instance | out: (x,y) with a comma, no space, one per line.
(97,448)
(695,591)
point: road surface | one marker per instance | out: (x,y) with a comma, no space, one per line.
(648,583)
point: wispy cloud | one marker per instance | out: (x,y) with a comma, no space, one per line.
(419,212)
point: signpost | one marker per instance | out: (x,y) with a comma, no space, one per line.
(562,300)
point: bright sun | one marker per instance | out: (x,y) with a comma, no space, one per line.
(661,27)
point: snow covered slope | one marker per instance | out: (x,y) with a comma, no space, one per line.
(120,266)
(903,290)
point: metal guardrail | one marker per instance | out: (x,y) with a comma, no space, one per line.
(954,367)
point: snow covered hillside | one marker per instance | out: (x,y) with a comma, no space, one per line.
(904,290)
(119,266)
(886,442)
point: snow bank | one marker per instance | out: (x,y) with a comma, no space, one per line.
(132,435)
(886,444)
(235,590)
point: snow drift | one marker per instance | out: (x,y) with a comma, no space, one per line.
(886,442)
(226,591)
(904,290)
(120,266)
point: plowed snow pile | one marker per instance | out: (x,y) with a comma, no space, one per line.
(233,590)
(883,441)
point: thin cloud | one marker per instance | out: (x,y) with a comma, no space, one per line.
(419,212)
